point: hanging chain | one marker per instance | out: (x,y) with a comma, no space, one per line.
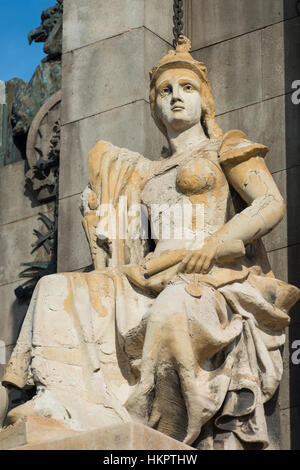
(177,20)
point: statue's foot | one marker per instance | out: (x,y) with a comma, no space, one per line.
(197,407)
(21,412)
(138,404)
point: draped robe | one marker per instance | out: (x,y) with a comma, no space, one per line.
(102,351)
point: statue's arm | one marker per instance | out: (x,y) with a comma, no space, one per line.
(116,177)
(245,168)
(266,208)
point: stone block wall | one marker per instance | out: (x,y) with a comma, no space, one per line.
(9,152)
(108,50)
(18,218)
(2,121)
(251,50)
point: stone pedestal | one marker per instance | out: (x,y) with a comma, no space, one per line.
(48,434)
(31,431)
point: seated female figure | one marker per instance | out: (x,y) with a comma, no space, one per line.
(185,339)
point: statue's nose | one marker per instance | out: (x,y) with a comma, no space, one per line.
(176,94)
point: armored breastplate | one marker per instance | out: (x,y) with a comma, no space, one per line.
(196,176)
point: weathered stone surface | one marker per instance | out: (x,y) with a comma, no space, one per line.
(273,61)
(91,82)
(272,411)
(217,20)
(78,33)
(130,436)
(3,404)
(159,18)
(280,58)
(285,428)
(16,240)
(15,203)
(290,428)
(73,248)
(70,310)
(285,264)
(234,69)
(280,134)
(278,238)
(255,121)
(12,315)
(118,16)
(5,353)
(279,263)
(33,430)
(284,388)
(133,128)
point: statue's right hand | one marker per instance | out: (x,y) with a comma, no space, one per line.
(135,274)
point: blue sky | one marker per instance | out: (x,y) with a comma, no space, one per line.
(17,18)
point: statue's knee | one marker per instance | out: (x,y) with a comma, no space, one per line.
(167,314)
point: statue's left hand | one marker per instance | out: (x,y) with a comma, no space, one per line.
(201,260)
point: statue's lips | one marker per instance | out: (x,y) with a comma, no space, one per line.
(177,108)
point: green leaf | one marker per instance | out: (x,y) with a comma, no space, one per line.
(41,242)
(48,246)
(38,234)
(37,264)
(49,223)
(37,275)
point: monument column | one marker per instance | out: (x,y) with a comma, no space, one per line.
(108,51)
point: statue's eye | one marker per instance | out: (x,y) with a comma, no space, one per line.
(188,87)
(166,90)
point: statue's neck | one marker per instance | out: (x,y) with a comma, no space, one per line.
(183,140)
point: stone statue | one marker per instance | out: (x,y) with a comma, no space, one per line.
(185,335)
(46,79)
(24,100)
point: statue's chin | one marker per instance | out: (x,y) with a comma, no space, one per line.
(180,123)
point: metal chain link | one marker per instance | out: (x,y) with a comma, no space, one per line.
(177,20)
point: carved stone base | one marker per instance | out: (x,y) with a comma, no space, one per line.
(31,431)
(47,434)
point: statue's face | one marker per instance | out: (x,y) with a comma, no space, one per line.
(178,100)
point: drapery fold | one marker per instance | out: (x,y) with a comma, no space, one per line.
(86,336)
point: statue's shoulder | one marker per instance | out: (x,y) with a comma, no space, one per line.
(95,159)
(104,154)
(237,147)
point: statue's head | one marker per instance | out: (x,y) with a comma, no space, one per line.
(180,92)
(50,30)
